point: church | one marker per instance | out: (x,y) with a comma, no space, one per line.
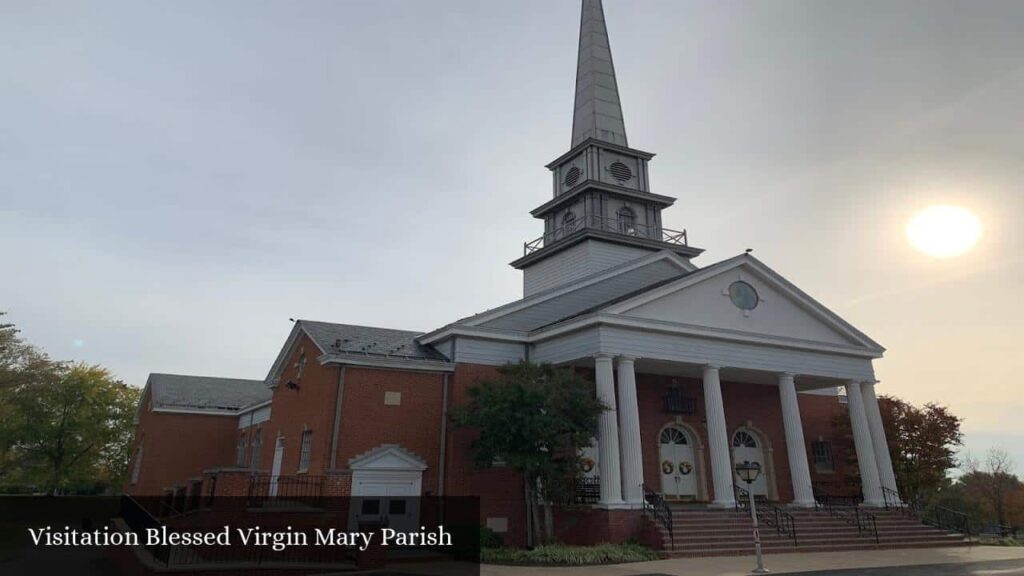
(702,366)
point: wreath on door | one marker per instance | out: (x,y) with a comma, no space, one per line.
(667,467)
(685,468)
(586,464)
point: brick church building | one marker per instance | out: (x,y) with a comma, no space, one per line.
(702,366)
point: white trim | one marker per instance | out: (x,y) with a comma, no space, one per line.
(545,295)
(253,407)
(282,357)
(205,412)
(389,363)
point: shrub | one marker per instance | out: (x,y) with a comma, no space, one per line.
(489,538)
(562,555)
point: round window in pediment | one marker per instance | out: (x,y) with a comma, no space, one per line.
(572,176)
(620,171)
(743,295)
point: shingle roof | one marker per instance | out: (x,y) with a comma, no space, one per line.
(205,393)
(369,341)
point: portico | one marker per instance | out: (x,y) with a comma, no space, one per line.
(621,452)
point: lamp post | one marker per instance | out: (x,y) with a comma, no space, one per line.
(749,471)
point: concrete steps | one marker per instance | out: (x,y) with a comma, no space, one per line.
(700,531)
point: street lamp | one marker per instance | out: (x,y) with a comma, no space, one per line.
(748,472)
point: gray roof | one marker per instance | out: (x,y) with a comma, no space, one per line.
(598,111)
(206,393)
(369,341)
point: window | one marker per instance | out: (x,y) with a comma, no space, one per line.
(743,439)
(300,366)
(304,450)
(672,436)
(569,222)
(627,221)
(370,507)
(137,465)
(396,507)
(822,454)
(257,443)
(242,446)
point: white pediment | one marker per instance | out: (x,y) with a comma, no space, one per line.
(701,299)
(387,457)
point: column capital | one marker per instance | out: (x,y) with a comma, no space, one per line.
(604,356)
(855,384)
(714,367)
(624,358)
(788,375)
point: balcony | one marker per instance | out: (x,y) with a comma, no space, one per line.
(676,403)
(613,225)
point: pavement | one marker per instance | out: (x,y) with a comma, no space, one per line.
(953,561)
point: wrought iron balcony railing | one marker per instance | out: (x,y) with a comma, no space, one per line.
(614,225)
(676,403)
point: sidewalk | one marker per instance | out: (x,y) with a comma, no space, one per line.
(777,563)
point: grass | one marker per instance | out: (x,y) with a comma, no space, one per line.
(562,555)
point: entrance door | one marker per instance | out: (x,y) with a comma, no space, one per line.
(678,468)
(275,471)
(747,448)
(391,502)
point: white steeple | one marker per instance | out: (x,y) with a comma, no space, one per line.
(598,110)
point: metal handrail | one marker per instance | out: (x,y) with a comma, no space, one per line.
(767,513)
(592,222)
(941,517)
(847,508)
(655,505)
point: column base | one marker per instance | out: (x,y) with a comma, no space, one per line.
(872,504)
(801,504)
(722,504)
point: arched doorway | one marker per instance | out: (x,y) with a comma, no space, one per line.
(748,447)
(676,457)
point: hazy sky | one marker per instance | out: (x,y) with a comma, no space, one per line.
(177,179)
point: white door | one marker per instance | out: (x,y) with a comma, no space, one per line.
(389,499)
(275,471)
(747,448)
(678,468)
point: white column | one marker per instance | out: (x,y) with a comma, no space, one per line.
(718,439)
(882,458)
(607,433)
(629,434)
(796,448)
(865,449)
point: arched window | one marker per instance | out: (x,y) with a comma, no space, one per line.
(627,221)
(743,439)
(673,436)
(569,222)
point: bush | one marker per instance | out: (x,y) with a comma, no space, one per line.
(561,555)
(489,538)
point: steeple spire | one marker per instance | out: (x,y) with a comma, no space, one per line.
(598,111)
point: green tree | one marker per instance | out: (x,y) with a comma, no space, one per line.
(922,444)
(534,419)
(69,431)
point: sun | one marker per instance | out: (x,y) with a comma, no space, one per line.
(943,231)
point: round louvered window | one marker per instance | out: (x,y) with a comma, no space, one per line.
(573,176)
(620,171)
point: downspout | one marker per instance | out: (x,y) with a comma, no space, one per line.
(336,429)
(444,435)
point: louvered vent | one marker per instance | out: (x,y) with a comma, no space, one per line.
(572,176)
(620,171)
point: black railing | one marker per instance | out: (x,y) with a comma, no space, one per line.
(939,517)
(587,490)
(656,506)
(767,513)
(615,225)
(847,508)
(283,491)
(138,520)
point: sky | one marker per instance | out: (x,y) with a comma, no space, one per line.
(177,180)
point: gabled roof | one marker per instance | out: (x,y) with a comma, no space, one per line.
(388,457)
(555,304)
(205,393)
(798,296)
(361,345)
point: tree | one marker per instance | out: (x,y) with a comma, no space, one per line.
(994,484)
(71,431)
(922,443)
(534,419)
(20,363)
